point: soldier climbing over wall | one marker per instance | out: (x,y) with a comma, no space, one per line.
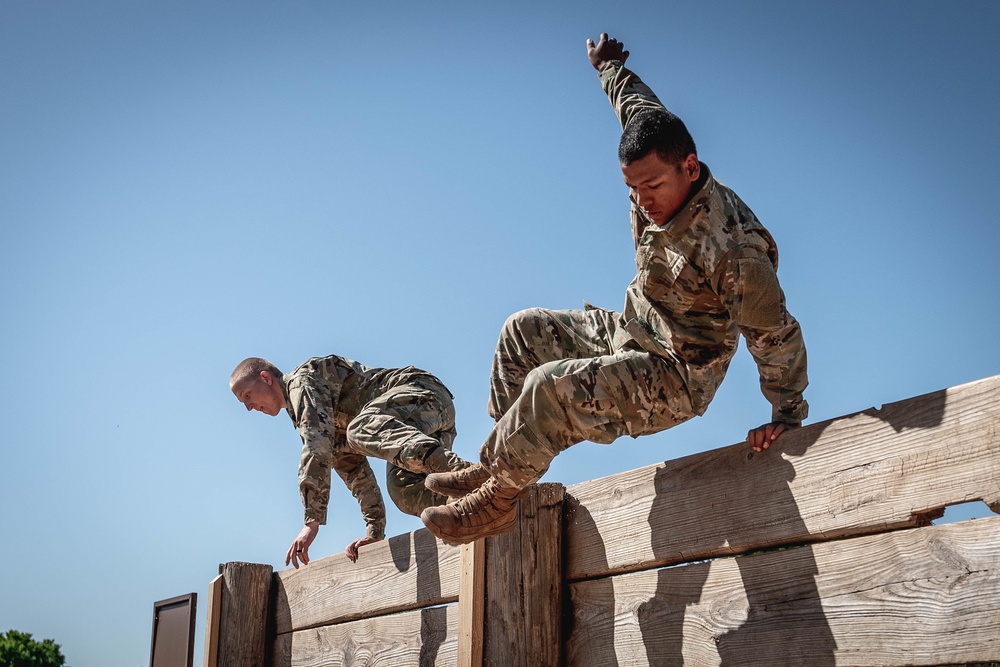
(346,412)
(706,272)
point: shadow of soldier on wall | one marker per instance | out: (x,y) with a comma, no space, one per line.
(424,556)
(733,501)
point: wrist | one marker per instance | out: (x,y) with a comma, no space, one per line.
(605,64)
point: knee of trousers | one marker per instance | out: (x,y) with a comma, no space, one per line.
(519,326)
(524,442)
(384,437)
(512,360)
(522,318)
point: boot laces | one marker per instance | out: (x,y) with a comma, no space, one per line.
(486,504)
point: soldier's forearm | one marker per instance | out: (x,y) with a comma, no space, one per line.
(627,92)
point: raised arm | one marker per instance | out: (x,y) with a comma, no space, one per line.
(626,91)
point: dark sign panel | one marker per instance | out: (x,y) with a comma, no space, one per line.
(173,632)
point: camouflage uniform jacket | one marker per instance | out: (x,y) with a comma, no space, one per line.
(323,395)
(702,278)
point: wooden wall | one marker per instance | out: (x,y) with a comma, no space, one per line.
(851,572)
(817,552)
(396,606)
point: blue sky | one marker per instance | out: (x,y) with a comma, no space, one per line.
(186,184)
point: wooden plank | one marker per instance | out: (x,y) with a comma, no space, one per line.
(404,572)
(423,637)
(213,614)
(924,596)
(524,584)
(243,620)
(879,469)
(470,605)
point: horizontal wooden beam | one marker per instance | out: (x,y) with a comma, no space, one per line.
(923,596)
(876,470)
(408,571)
(424,637)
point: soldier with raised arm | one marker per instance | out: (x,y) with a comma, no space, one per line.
(705,273)
(346,412)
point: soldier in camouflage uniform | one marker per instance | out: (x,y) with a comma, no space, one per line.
(346,412)
(705,273)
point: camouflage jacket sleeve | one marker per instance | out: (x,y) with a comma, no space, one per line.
(749,287)
(312,404)
(359,478)
(627,93)
(629,96)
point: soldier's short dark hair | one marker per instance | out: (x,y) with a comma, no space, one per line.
(656,130)
(251,367)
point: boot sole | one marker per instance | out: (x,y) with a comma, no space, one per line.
(493,530)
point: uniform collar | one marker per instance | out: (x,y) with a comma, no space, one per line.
(284,392)
(695,206)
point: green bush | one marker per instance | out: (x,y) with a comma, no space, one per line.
(18,649)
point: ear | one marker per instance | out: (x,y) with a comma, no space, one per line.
(266,378)
(692,168)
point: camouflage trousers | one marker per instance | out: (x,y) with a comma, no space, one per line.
(402,426)
(557,380)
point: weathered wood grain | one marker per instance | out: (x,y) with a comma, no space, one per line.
(922,596)
(524,585)
(243,618)
(875,470)
(424,637)
(404,572)
(213,614)
(470,605)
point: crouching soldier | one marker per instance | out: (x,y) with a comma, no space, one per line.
(346,412)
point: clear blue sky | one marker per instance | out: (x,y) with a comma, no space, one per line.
(185,184)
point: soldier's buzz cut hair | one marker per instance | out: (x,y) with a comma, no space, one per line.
(251,367)
(659,131)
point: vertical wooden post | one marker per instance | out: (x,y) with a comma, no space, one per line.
(524,584)
(213,611)
(470,605)
(243,614)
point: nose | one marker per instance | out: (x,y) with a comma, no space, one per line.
(249,407)
(640,198)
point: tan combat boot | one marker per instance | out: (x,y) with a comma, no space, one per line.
(459,482)
(489,510)
(443,460)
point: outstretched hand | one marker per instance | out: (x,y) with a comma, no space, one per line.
(605,51)
(352,548)
(761,437)
(300,547)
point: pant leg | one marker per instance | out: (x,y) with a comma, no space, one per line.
(536,336)
(407,490)
(599,399)
(402,426)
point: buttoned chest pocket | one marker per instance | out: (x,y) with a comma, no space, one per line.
(666,277)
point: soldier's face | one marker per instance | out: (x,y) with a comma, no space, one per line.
(658,187)
(261,393)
